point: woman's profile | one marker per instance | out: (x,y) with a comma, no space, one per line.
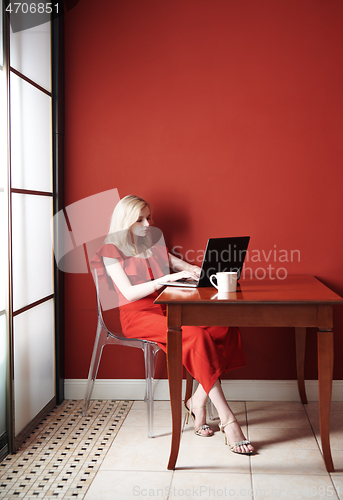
(134,265)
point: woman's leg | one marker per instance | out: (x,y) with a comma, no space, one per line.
(197,403)
(233,431)
(203,359)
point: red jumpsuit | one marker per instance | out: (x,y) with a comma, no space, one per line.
(207,352)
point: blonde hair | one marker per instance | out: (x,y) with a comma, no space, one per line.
(127,212)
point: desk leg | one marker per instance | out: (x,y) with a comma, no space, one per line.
(300,344)
(174,361)
(325,370)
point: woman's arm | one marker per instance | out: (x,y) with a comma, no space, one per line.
(135,292)
(180,265)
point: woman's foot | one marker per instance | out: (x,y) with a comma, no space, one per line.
(198,413)
(234,437)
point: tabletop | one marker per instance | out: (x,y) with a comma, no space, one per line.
(293,289)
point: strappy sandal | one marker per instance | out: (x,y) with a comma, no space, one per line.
(197,430)
(232,446)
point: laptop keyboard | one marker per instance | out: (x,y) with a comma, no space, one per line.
(190,281)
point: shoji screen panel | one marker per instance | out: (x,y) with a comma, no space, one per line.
(3,372)
(33,355)
(31,137)
(3,295)
(33,267)
(3,311)
(30,54)
(31,205)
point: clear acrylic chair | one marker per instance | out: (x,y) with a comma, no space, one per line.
(105,336)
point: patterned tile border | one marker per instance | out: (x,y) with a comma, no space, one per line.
(62,455)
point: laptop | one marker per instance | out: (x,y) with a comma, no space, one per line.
(221,255)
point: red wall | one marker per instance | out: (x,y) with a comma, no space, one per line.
(228,117)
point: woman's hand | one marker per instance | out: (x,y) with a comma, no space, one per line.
(178,276)
(180,265)
(195,270)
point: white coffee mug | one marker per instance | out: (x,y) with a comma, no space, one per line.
(226,282)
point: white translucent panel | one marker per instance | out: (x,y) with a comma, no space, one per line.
(3,129)
(32,249)
(3,372)
(3,252)
(34,365)
(31,137)
(31,54)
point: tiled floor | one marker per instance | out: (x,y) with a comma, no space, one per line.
(62,456)
(121,462)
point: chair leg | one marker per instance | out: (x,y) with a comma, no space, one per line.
(155,351)
(150,352)
(93,369)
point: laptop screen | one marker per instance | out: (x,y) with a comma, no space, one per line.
(223,255)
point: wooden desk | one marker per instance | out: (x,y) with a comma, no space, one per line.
(297,301)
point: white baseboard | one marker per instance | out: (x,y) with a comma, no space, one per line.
(234,390)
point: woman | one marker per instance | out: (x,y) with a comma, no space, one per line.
(134,265)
